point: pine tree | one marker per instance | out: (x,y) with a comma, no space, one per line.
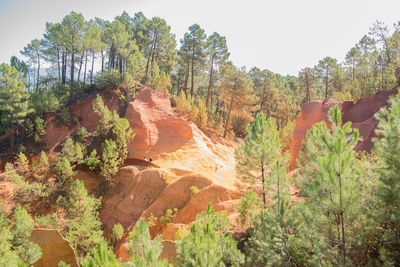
(13,100)
(330,183)
(261,149)
(27,251)
(208,243)
(271,234)
(101,255)
(235,92)
(143,250)
(84,228)
(110,159)
(387,149)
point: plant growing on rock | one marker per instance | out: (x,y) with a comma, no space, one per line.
(166,219)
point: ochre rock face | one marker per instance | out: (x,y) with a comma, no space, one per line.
(54,248)
(310,114)
(156,127)
(132,194)
(84,109)
(360,113)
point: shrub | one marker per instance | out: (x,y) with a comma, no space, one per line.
(194,190)
(286,134)
(117,232)
(166,219)
(92,161)
(109,80)
(239,125)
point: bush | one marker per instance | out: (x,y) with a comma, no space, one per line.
(166,219)
(92,161)
(73,151)
(239,126)
(117,232)
(109,80)
(194,190)
(286,134)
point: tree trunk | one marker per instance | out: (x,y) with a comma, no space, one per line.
(84,73)
(148,61)
(263,189)
(210,82)
(91,76)
(228,117)
(192,87)
(102,62)
(64,68)
(79,73)
(38,73)
(187,77)
(179,83)
(120,64)
(12,138)
(326,87)
(58,64)
(71,89)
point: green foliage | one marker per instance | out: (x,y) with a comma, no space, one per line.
(247,207)
(44,166)
(109,80)
(270,238)
(23,164)
(82,133)
(64,173)
(110,159)
(13,99)
(84,228)
(48,221)
(72,151)
(286,134)
(8,256)
(28,252)
(330,182)
(144,251)
(261,149)
(208,242)
(117,134)
(117,232)
(101,255)
(43,100)
(387,149)
(169,213)
(183,103)
(92,161)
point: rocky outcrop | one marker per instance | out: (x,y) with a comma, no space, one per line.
(360,113)
(84,109)
(156,127)
(54,248)
(133,192)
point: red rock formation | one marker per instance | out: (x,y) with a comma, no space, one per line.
(360,113)
(84,109)
(54,248)
(157,129)
(310,114)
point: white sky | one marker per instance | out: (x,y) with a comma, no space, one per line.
(281,35)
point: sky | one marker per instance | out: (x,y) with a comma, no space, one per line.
(283,36)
